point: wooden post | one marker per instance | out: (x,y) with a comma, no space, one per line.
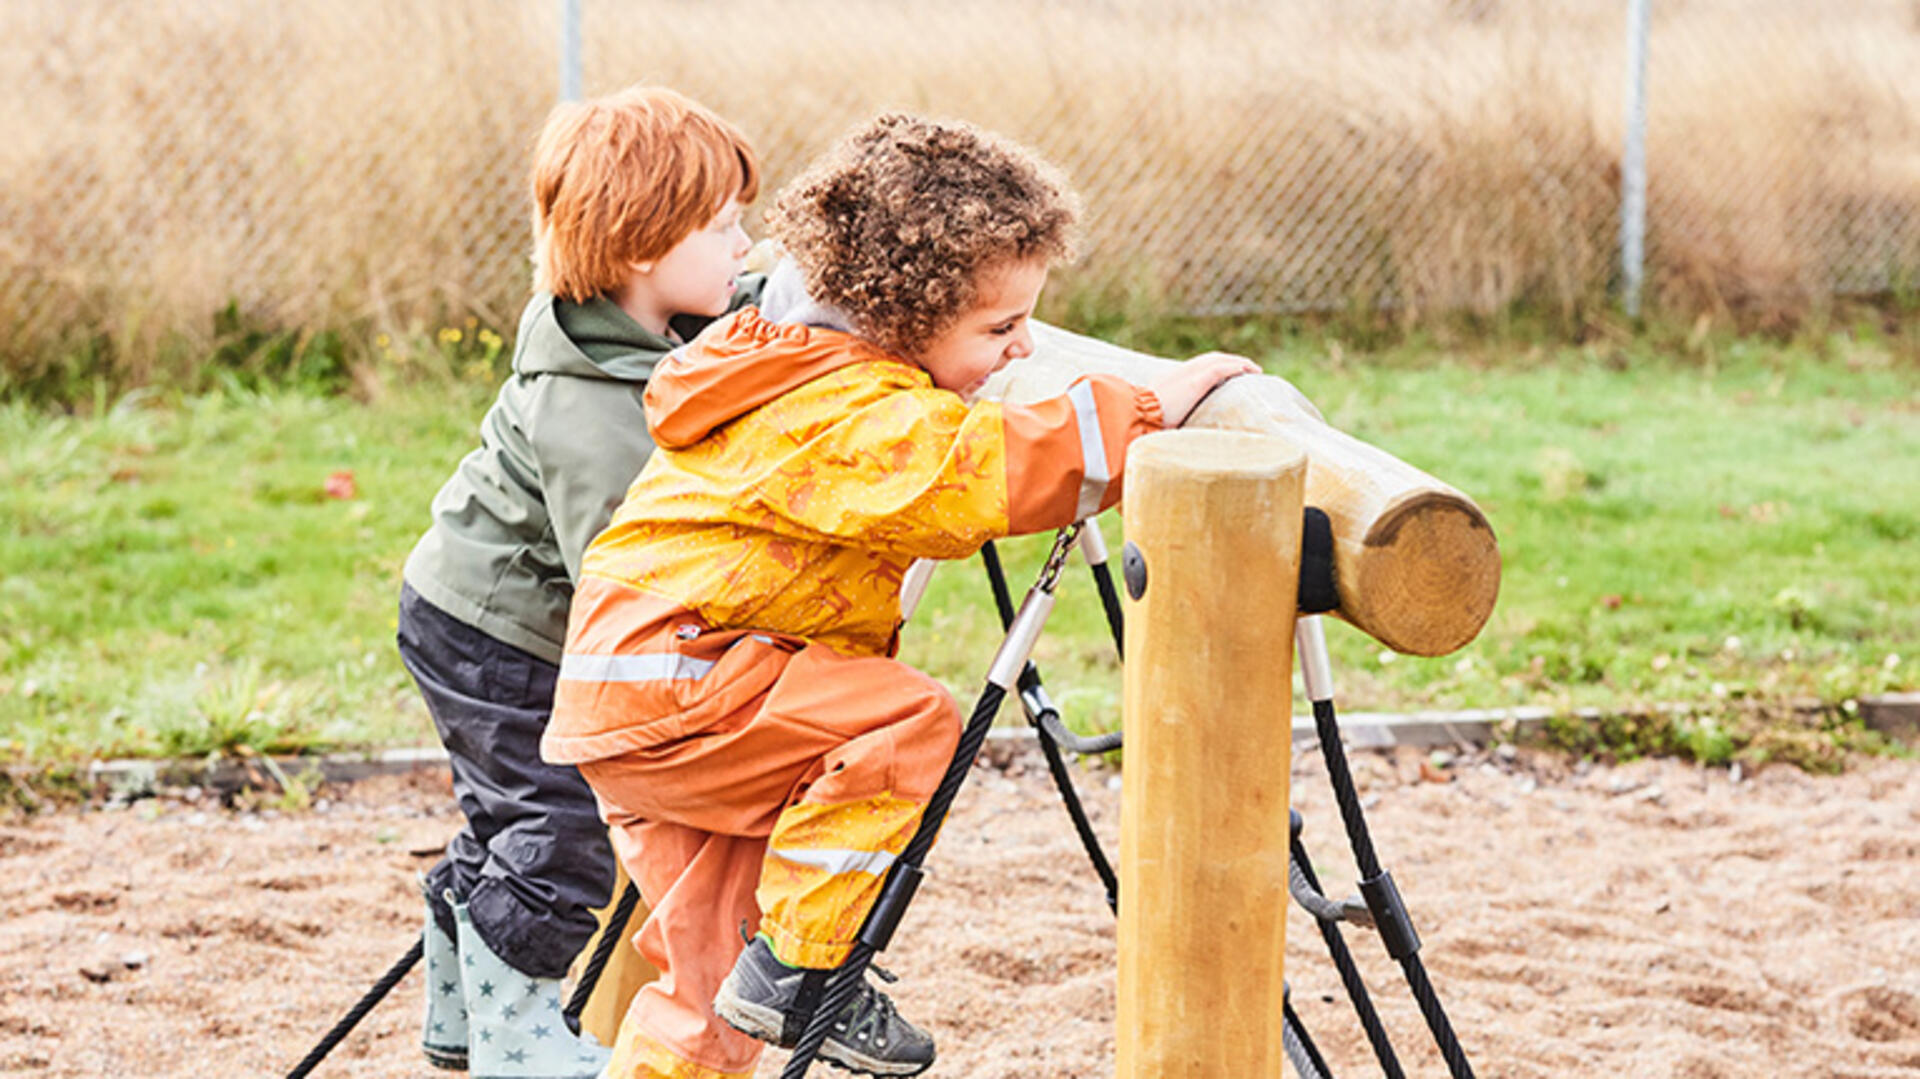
(1415,560)
(1216,517)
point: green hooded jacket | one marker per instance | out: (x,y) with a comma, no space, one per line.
(559,447)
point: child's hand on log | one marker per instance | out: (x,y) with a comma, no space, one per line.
(1182,388)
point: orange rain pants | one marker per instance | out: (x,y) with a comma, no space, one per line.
(793,803)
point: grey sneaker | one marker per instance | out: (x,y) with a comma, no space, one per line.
(769,1000)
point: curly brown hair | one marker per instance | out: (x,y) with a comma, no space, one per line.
(899,222)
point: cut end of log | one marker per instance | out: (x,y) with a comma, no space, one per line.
(1424,578)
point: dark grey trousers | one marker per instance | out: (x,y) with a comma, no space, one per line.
(533,859)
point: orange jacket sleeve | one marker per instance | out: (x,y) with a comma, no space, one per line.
(1064,454)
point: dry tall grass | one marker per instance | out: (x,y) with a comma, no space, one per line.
(360,163)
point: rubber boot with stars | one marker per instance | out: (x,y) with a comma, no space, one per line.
(514,1027)
(443,1037)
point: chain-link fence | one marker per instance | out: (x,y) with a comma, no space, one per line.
(362,162)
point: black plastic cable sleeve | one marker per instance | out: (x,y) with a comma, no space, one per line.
(1390,916)
(884,918)
(1041,712)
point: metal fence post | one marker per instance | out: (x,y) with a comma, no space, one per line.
(569,50)
(1633,166)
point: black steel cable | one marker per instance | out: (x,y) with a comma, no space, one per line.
(610,936)
(359,1011)
(1349,973)
(1299,1044)
(1081,824)
(1110,603)
(1327,727)
(1436,1017)
(1050,735)
(997,579)
(848,978)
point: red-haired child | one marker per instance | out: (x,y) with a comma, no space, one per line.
(637,200)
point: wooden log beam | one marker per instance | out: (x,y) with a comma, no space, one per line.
(1417,564)
(1216,517)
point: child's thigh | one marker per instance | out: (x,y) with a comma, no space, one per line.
(873,723)
(864,723)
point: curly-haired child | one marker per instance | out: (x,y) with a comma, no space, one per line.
(728,688)
(637,200)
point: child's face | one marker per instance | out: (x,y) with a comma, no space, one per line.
(696,277)
(991,334)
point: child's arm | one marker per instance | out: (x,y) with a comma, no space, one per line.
(1058,471)
(1183,387)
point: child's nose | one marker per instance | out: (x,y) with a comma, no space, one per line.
(1021,346)
(742,243)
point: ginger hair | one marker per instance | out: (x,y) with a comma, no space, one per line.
(623,179)
(898,224)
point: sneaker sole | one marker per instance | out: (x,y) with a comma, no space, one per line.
(766,1024)
(838,1055)
(453,1060)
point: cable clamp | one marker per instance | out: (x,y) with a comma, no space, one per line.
(1390,916)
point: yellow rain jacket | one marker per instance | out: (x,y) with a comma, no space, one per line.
(727,687)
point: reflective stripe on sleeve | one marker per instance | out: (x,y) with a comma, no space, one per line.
(649,667)
(1093,451)
(840,861)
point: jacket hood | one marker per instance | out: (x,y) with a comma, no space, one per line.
(595,339)
(739,364)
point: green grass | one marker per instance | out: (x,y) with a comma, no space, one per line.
(1731,531)
(1669,532)
(175,579)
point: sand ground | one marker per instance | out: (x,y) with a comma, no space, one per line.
(1650,919)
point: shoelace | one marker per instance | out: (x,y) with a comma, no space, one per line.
(870,1015)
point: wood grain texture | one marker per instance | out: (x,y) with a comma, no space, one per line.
(1208,696)
(1417,564)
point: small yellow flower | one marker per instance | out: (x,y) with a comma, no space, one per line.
(383,340)
(450,336)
